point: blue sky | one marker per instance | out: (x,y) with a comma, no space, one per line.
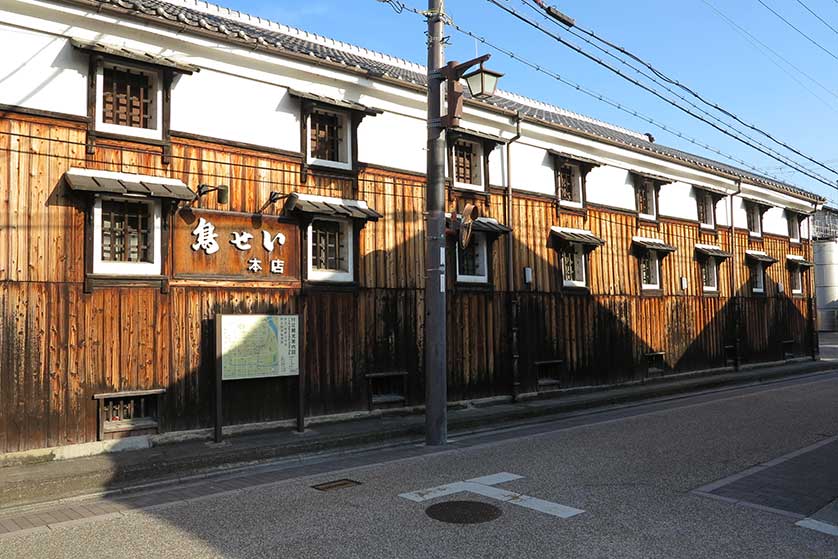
(684,38)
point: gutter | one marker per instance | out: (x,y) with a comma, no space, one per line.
(510,266)
(733,296)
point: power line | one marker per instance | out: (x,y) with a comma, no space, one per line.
(790,24)
(690,91)
(808,9)
(750,36)
(604,99)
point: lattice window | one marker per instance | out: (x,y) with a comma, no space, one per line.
(796,280)
(569,187)
(754,219)
(757,277)
(467,161)
(709,274)
(326,133)
(126,231)
(794,226)
(649,275)
(573,265)
(645,192)
(472,262)
(127,98)
(706,209)
(329,249)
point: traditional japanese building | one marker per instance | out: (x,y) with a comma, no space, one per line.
(164,162)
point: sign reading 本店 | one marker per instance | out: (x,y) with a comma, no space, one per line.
(258,346)
(235,246)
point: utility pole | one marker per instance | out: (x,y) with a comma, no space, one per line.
(436,367)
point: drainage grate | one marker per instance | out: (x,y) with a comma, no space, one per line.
(463,512)
(336,484)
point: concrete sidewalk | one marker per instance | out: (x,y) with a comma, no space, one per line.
(23,485)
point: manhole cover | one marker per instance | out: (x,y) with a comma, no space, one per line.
(337,484)
(463,512)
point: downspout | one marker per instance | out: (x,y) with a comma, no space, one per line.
(510,266)
(733,296)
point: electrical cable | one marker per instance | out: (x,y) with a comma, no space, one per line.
(807,37)
(803,170)
(808,9)
(675,82)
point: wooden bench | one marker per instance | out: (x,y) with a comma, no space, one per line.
(546,383)
(124,413)
(387,398)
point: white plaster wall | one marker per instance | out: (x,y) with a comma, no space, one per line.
(677,199)
(722,212)
(611,186)
(532,169)
(740,216)
(251,111)
(497,166)
(774,222)
(393,140)
(40,71)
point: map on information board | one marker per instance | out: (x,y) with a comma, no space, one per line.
(258,346)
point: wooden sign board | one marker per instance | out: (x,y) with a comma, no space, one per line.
(258,346)
(212,244)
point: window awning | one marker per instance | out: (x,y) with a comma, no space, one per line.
(135,55)
(457,132)
(759,256)
(324,205)
(339,103)
(485,225)
(797,260)
(574,158)
(711,250)
(763,205)
(652,176)
(580,236)
(109,182)
(648,243)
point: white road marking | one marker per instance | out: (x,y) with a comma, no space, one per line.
(819,526)
(484,486)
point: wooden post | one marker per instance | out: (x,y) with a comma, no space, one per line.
(218,380)
(301,399)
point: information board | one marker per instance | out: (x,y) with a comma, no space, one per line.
(258,346)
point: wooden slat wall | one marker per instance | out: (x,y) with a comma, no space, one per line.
(59,346)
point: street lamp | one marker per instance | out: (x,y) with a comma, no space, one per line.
(481,84)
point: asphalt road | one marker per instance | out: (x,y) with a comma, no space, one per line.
(632,470)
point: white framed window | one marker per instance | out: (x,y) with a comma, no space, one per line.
(330,250)
(796,280)
(649,261)
(472,261)
(794,227)
(710,274)
(754,215)
(646,198)
(574,266)
(706,206)
(757,271)
(468,169)
(127,236)
(569,185)
(329,139)
(129,101)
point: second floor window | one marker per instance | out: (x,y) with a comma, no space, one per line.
(129,101)
(328,139)
(646,199)
(468,164)
(794,227)
(569,179)
(754,219)
(706,206)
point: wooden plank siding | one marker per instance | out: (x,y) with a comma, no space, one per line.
(60,345)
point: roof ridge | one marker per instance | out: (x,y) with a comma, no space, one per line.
(270,25)
(536,104)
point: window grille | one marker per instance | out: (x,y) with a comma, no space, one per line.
(649,268)
(706,209)
(573,264)
(567,188)
(646,198)
(127,98)
(126,232)
(757,277)
(326,132)
(709,272)
(754,219)
(796,280)
(465,163)
(470,260)
(329,251)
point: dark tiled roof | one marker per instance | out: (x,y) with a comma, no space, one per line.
(576,236)
(707,250)
(298,44)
